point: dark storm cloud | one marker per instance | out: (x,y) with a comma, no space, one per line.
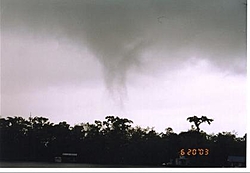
(122,33)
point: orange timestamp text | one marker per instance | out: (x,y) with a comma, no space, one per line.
(194,152)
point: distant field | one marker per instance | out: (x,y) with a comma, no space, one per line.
(59,165)
(4,164)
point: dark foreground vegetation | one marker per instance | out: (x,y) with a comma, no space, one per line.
(114,141)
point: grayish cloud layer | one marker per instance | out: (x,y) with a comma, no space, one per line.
(145,34)
(58,56)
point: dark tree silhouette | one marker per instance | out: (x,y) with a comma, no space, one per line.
(197,121)
(113,141)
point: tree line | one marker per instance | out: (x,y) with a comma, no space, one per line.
(112,141)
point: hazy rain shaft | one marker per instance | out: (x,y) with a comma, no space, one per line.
(139,36)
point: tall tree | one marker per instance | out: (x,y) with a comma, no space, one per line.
(197,121)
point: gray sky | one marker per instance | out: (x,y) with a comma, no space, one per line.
(155,62)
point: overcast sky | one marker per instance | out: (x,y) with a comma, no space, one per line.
(155,62)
